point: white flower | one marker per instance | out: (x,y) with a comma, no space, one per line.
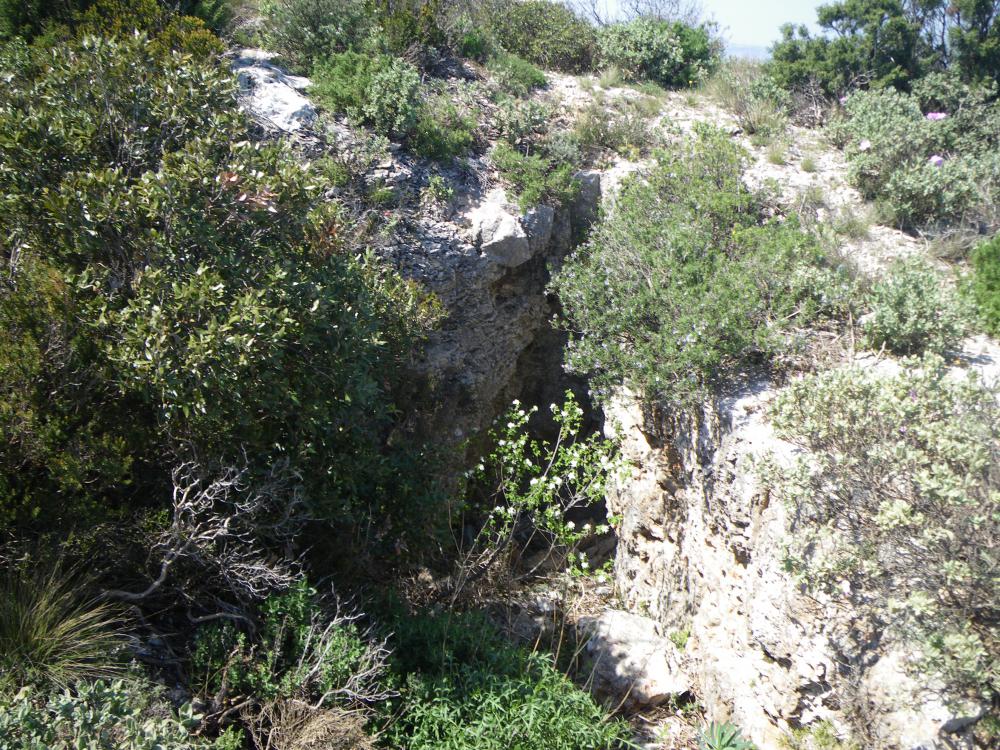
(586,527)
(557,481)
(534,481)
(570,525)
(584,564)
(510,425)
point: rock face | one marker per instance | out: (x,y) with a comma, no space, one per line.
(270,94)
(488,263)
(632,662)
(701,549)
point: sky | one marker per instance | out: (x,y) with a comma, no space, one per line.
(755,23)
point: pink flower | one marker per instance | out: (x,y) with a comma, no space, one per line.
(936,161)
(865,145)
(843,100)
(936,115)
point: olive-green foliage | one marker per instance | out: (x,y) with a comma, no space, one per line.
(687,282)
(890,143)
(404,24)
(913,311)
(465,688)
(51,633)
(296,651)
(120,715)
(535,178)
(378,91)
(724,736)
(176,290)
(306,32)
(665,52)
(745,89)
(889,43)
(898,496)
(442,130)
(986,283)
(543,32)
(515,75)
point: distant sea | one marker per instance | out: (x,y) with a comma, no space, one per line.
(754,52)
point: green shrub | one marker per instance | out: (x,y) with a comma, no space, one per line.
(404,24)
(468,689)
(543,32)
(667,53)
(521,122)
(305,32)
(298,650)
(177,291)
(515,75)
(687,282)
(923,171)
(442,131)
(744,88)
(118,715)
(913,311)
(724,736)
(894,496)
(381,92)
(986,283)
(536,179)
(52,634)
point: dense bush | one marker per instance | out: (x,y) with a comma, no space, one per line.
(298,650)
(468,689)
(535,178)
(889,43)
(688,283)
(913,311)
(176,290)
(442,130)
(515,75)
(897,496)
(305,32)
(381,92)
(667,53)
(924,170)
(119,715)
(544,32)
(986,283)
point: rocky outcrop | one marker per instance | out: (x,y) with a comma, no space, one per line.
(270,94)
(632,663)
(488,263)
(701,549)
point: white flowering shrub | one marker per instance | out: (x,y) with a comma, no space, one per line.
(538,482)
(897,507)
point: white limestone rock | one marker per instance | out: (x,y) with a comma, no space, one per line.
(633,663)
(271,94)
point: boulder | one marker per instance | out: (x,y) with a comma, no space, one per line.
(498,233)
(270,94)
(633,663)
